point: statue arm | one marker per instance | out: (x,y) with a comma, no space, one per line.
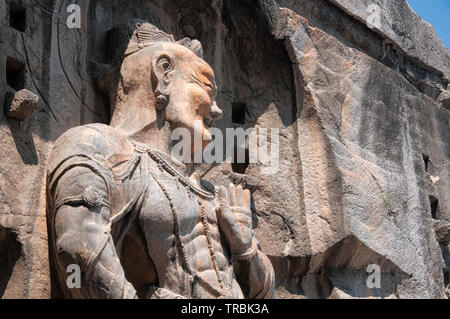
(82,237)
(255,273)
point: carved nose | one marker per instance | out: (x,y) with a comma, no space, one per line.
(216,112)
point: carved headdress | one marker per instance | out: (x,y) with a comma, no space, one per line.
(136,34)
(126,39)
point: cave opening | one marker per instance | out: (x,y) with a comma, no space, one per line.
(15,73)
(434,204)
(238,113)
(17,17)
(426,160)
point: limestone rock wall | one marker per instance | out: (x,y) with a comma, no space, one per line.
(362,113)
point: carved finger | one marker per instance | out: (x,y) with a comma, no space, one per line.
(223,196)
(247,199)
(239,196)
(232,191)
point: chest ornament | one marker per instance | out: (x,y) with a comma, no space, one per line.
(163,164)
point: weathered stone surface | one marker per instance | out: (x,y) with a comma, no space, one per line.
(365,133)
(402,26)
(375,128)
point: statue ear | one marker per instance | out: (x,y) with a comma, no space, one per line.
(162,67)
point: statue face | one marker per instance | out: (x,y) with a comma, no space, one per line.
(190,84)
(172,79)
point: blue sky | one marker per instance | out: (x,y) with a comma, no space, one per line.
(436,12)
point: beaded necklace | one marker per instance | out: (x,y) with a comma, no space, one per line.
(183,180)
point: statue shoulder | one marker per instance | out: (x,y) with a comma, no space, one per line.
(95,142)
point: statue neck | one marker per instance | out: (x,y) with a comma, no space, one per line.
(135,116)
(140,122)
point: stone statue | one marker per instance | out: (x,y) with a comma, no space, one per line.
(137,222)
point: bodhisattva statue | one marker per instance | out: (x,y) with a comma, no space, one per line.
(136,221)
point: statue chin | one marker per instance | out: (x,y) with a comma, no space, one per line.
(199,131)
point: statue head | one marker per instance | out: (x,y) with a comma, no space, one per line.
(157,83)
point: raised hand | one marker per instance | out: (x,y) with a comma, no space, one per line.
(235,220)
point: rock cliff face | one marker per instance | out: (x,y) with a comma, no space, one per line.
(363,112)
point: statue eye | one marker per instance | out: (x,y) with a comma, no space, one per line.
(212,90)
(165,63)
(209,86)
